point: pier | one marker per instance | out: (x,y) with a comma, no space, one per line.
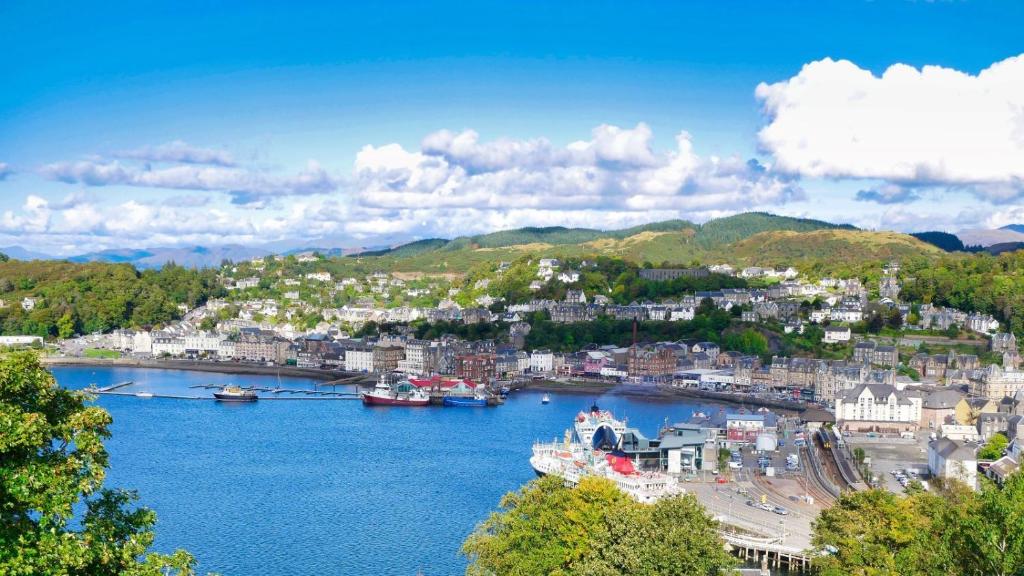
(767,550)
(113,387)
(302,391)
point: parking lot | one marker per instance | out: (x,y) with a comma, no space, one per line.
(889,454)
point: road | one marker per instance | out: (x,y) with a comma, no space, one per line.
(730,507)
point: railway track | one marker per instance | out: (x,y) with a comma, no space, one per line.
(833,445)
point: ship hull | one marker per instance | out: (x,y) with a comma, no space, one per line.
(229,398)
(371,400)
(454,402)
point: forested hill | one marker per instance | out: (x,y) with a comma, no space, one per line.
(79,298)
(712,234)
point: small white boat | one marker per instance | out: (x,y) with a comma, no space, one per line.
(546,399)
(144,394)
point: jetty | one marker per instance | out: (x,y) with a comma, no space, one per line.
(110,388)
(278,390)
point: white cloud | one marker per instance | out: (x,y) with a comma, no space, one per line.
(616,170)
(178,152)
(454,184)
(934,126)
(244,186)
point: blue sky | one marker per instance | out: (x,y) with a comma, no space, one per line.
(156,124)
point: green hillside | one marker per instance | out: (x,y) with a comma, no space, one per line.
(730,229)
(671,240)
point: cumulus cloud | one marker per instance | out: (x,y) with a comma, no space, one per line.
(931,126)
(454,183)
(616,170)
(178,152)
(244,186)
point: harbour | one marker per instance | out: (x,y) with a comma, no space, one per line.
(319,470)
(490,449)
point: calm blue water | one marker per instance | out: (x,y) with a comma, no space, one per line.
(325,487)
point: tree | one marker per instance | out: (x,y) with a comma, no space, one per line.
(875,323)
(593,529)
(894,319)
(994,448)
(986,533)
(876,532)
(706,306)
(52,459)
(66,326)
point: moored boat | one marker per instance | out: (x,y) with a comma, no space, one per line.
(235,394)
(594,448)
(474,401)
(401,394)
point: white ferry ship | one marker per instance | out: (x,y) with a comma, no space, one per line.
(593,451)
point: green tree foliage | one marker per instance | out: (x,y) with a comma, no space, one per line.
(953,531)
(875,323)
(875,533)
(993,449)
(51,459)
(594,529)
(604,330)
(749,341)
(85,298)
(894,319)
(986,530)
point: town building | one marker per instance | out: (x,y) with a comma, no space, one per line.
(836,334)
(955,460)
(476,367)
(878,408)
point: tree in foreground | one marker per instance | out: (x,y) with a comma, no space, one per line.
(594,529)
(55,515)
(952,531)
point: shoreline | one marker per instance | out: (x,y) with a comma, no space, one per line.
(662,393)
(581,388)
(215,367)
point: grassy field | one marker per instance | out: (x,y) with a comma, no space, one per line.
(100,353)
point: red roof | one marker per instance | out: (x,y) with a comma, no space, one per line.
(443,383)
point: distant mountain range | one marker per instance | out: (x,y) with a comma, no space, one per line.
(745,235)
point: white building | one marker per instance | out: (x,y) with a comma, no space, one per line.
(243,283)
(569,276)
(20,340)
(682,313)
(201,342)
(542,361)
(878,407)
(29,303)
(226,348)
(819,316)
(954,459)
(359,360)
(834,334)
(169,345)
(416,358)
(847,314)
(142,343)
